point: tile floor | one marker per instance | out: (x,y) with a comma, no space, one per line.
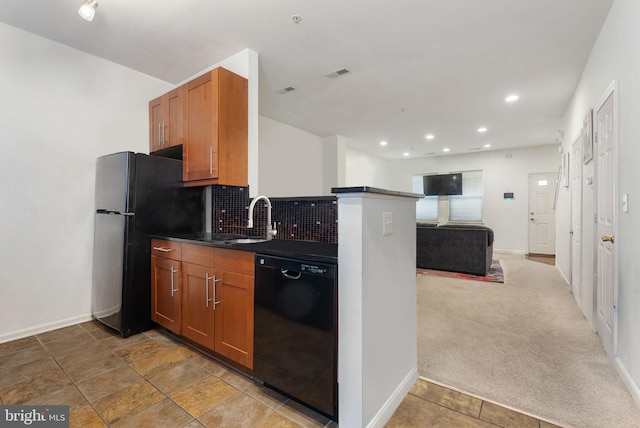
(150,379)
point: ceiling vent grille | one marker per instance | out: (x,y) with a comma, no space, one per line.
(337,73)
(285,90)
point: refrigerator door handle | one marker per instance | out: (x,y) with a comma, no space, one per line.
(114,212)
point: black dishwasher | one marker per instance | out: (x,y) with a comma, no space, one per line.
(295,332)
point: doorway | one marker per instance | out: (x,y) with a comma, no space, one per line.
(605,153)
(576,220)
(542,217)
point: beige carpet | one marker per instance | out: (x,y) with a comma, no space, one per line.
(523,343)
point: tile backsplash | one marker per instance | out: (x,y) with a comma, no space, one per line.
(300,219)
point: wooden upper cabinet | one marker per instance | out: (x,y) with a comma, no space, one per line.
(167,119)
(216,146)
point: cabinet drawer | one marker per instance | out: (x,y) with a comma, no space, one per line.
(198,254)
(166,249)
(241,262)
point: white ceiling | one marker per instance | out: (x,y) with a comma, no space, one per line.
(416,66)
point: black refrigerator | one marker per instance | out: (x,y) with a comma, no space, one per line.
(137,195)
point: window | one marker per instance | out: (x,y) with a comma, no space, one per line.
(468,206)
(427,207)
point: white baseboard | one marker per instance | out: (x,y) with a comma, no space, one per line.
(566,280)
(628,381)
(43,328)
(389,407)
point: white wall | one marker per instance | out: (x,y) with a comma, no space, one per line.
(363,169)
(60,110)
(615,56)
(377,349)
(334,149)
(290,161)
(507,218)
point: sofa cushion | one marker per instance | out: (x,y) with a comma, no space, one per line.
(474,226)
(456,248)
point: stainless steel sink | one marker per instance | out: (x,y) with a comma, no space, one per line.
(245,241)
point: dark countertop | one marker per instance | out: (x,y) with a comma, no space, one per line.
(369,189)
(303,250)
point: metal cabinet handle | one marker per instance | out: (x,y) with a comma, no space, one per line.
(163,128)
(173,290)
(206,287)
(159,134)
(606,238)
(215,302)
(210,160)
(164,250)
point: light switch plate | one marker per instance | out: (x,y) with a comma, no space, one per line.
(387,223)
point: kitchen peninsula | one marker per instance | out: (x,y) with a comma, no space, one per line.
(374,241)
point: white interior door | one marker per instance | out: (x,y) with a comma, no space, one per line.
(576,220)
(605,215)
(542,217)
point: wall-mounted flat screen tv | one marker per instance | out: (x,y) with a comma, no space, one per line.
(442,184)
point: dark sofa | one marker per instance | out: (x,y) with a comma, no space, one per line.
(455,248)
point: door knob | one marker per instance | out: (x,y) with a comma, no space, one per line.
(608,239)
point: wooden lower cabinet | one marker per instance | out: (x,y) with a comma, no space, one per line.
(166,284)
(215,304)
(234,317)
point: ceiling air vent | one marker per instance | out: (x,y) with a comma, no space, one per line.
(285,90)
(474,148)
(337,73)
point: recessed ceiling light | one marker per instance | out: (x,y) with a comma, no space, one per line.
(430,137)
(487,145)
(383,143)
(405,154)
(482,129)
(446,149)
(511,98)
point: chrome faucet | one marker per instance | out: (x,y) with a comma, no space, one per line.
(271,230)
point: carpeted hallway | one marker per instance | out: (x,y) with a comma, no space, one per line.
(524,344)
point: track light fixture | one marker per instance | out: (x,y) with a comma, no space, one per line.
(88,10)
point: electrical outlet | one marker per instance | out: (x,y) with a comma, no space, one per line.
(387,223)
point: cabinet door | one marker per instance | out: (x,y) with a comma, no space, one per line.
(167,119)
(234,312)
(156,123)
(200,153)
(176,117)
(215,150)
(198,304)
(234,317)
(165,292)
